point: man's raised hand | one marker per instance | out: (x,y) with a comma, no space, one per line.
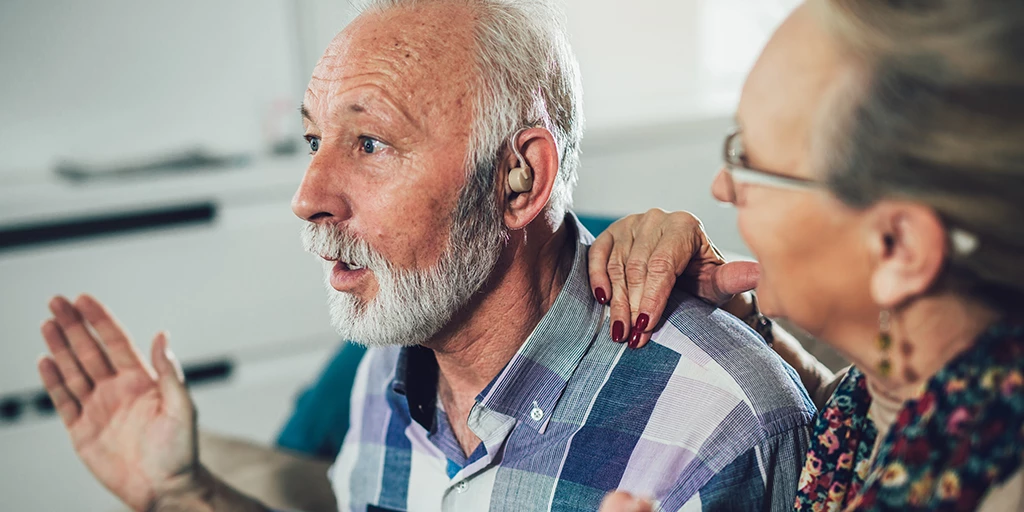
(132,424)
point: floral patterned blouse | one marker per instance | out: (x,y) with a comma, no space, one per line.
(962,436)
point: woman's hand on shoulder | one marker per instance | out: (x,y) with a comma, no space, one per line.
(635,263)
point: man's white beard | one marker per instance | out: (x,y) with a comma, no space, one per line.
(412,305)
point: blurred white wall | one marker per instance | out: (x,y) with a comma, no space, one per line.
(109,79)
(643,62)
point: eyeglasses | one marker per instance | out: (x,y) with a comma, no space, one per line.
(737,171)
(963,242)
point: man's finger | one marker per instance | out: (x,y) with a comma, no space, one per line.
(76,381)
(87,350)
(170,377)
(63,401)
(122,352)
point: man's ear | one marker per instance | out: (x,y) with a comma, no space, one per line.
(908,246)
(540,154)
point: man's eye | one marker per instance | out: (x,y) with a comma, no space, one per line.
(370,145)
(314,143)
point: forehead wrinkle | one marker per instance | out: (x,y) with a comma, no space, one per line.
(360,100)
(347,61)
(407,39)
(403,83)
(429,74)
(420,56)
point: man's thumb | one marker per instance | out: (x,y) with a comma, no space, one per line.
(170,377)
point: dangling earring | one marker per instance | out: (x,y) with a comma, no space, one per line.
(884,343)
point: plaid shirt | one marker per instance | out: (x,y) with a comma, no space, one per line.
(705,417)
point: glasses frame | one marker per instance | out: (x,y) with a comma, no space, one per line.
(740,172)
(963,242)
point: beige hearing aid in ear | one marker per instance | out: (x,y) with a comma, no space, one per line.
(520,179)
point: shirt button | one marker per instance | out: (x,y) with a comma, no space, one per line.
(537,414)
(461,487)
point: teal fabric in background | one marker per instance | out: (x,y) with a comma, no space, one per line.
(596,225)
(319,422)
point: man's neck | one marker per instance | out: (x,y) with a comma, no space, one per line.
(483,339)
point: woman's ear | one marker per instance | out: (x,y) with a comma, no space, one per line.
(540,162)
(908,245)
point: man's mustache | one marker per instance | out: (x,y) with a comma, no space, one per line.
(331,241)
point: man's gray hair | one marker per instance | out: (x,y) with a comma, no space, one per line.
(529,77)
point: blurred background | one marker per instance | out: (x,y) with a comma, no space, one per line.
(149,150)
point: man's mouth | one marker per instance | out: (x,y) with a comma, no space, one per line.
(350,266)
(346,276)
(344,264)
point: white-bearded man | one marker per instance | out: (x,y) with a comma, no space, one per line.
(493,380)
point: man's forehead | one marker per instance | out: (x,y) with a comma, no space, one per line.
(419,54)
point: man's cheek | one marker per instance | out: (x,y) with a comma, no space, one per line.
(415,243)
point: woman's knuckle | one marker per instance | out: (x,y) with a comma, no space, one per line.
(636,267)
(616,270)
(685,218)
(661,264)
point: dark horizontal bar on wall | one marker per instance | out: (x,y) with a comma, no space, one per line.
(79,228)
(208,373)
(37,403)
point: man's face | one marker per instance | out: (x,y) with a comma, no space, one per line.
(388,113)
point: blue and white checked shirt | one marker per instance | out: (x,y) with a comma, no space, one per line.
(705,417)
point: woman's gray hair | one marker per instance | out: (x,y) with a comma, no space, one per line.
(939,120)
(529,77)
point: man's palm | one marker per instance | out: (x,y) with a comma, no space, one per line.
(132,427)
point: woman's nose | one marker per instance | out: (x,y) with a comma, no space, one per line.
(722,187)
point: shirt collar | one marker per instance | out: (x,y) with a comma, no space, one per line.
(530,385)
(415,381)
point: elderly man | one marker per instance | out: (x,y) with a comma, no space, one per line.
(444,138)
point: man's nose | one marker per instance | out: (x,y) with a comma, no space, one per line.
(320,196)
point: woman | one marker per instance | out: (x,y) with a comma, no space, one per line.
(878,173)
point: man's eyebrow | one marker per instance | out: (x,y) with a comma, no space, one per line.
(359,108)
(355,107)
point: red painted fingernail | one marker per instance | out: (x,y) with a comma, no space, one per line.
(618,331)
(634,340)
(642,321)
(600,295)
